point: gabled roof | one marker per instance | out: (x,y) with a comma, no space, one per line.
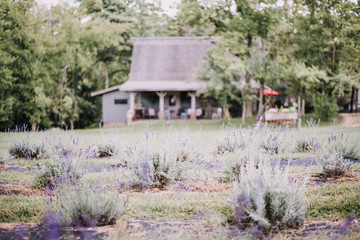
(165,64)
(103,91)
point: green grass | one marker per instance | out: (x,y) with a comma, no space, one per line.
(13,176)
(18,208)
(178,205)
(334,201)
(308,116)
(327,202)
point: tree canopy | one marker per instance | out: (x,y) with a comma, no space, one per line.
(52,59)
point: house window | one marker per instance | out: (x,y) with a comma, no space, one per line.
(120,101)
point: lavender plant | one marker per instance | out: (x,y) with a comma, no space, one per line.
(305,144)
(157,160)
(66,143)
(271,139)
(258,143)
(86,205)
(27,148)
(234,139)
(107,149)
(56,170)
(332,159)
(264,195)
(3,159)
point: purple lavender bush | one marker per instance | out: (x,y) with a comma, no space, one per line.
(86,205)
(107,149)
(157,160)
(333,156)
(263,195)
(56,170)
(27,149)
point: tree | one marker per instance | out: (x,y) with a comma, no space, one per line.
(202,18)
(224,75)
(326,36)
(22,92)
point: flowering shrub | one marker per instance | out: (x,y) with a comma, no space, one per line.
(338,143)
(332,157)
(271,139)
(3,159)
(107,149)
(334,165)
(234,139)
(56,171)
(158,160)
(27,149)
(265,196)
(88,206)
(305,144)
(257,143)
(66,143)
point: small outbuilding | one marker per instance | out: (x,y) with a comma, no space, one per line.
(159,83)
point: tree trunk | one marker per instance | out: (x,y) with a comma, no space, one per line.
(106,76)
(227,114)
(352,99)
(261,102)
(73,109)
(333,58)
(71,124)
(33,127)
(243,115)
(61,86)
(299,106)
(264,104)
(248,109)
(357,100)
(303,107)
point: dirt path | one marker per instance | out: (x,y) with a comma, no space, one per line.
(168,229)
(350,119)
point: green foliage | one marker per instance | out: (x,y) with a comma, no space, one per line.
(53,59)
(220,71)
(18,208)
(325,107)
(88,206)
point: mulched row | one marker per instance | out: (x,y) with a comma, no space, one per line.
(167,229)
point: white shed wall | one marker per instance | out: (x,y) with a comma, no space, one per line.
(114,113)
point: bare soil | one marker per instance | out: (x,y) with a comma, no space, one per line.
(350,119)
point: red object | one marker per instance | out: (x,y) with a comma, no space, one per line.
(267,92)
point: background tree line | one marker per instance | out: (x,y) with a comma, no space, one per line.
(51,60)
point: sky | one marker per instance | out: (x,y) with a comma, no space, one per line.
(165,3)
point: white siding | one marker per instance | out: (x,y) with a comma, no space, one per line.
(114,113)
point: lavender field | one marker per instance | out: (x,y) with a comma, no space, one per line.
(181,180)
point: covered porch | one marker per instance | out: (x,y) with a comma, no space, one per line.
(164,100)
(166,105)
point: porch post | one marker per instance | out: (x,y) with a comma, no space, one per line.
(161,113)
(132,100)
(193,105)
(131,112)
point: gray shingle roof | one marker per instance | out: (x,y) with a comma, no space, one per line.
(168,59)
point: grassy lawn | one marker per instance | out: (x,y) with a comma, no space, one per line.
(325,202)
